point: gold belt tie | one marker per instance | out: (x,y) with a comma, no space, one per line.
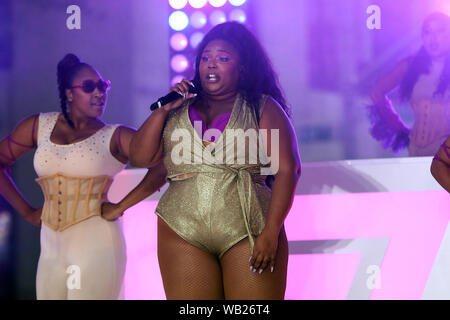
(246,176)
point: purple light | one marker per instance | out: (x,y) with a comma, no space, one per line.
(446,8)
(198,19)
(237,3)
(196,38)
(178,41)
(178,4)
(217,3)
(178,20)
(238,15)
(179,63)
(217,17)
(197,4)
(176,79)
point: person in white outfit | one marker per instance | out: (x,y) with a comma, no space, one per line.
(424,80)
(83,252)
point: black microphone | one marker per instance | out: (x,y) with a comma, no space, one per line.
(171,96)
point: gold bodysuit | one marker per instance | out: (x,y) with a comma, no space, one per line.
(214,199)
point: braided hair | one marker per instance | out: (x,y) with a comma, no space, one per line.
(67,69)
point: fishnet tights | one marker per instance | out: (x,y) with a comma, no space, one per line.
(189,272)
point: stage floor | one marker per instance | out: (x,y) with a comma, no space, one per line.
(361,229)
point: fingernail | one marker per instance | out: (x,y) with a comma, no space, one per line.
(250,259)
(271,269)
(254,270)
(251,268)
(260,271)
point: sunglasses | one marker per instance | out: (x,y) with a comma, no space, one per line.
(89,86)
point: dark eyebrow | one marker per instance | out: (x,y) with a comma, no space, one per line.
(220,50)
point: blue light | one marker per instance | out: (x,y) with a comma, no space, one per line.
(237,3)
(178,4)
(178,20)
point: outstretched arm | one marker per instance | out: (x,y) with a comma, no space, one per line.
(440,167)
(22,140)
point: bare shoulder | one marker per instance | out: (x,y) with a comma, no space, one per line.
(125,130)
(273,115)
(26,130)
(120,142)
(123,135)
(447,142)
(29,121)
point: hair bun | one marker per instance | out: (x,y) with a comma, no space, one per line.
(70,60)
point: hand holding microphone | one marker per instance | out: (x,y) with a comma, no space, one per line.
(177,95)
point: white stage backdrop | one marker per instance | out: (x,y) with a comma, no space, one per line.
(362,229)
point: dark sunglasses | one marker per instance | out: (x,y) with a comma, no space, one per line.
(89,86)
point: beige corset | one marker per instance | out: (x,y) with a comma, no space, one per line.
(69,199)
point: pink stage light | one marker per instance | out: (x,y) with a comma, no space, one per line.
(238,15)
(196,38)
(446,8)
(197,4)
(179,63)
(178,4)
(217,17)
(178,20)
(237,3)
(198,19)
(217,3)
(178,41)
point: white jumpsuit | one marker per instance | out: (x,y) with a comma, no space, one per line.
(83,256)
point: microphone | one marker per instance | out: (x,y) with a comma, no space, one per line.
(171,96)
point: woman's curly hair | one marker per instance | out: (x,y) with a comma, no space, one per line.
(257,76)
(420,64)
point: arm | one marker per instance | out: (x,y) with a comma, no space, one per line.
(153,180)
(285,159)
(146,147)
(440,167)
(383,87)
(21,141)
(389,82)
(386,125)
